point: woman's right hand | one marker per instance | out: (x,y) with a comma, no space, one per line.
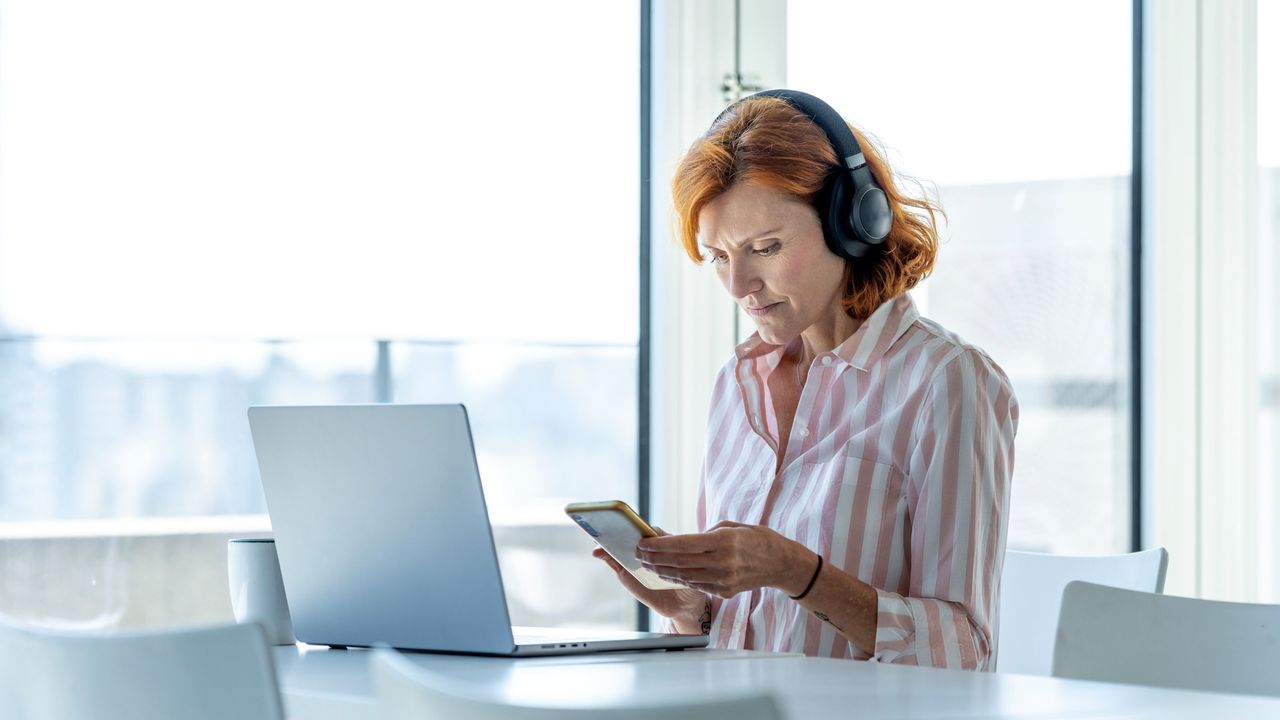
(684,606)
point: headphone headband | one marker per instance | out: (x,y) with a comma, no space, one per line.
(828,120)
(855,212)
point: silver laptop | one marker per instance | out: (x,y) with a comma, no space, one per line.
(383,535)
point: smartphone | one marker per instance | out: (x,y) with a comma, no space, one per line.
(617,528)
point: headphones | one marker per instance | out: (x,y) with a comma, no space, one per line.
(854,210)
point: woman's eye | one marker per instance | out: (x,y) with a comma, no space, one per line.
(717,259)
(767,251)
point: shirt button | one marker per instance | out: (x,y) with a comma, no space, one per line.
(826,359)
(804,431)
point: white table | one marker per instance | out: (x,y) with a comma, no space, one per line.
(322,684)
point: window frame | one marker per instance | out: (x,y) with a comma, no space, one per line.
(1201,398)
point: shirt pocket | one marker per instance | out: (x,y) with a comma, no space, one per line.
(854,470)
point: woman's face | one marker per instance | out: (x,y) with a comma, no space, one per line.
(768,250)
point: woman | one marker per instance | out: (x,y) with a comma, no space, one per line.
(855,488)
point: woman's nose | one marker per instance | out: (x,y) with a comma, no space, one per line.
(741,281)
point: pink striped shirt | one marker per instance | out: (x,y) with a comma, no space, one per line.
(897,471)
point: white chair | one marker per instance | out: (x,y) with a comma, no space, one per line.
(1140,638)
(1031,593)
(407,691)
(195,674)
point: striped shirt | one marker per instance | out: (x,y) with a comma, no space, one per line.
(897,471)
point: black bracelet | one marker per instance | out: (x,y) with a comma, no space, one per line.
(812,580)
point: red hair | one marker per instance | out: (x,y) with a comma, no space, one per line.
(767,143)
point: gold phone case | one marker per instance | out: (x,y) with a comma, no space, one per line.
(617,528)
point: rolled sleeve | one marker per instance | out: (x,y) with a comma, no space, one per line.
(926,631)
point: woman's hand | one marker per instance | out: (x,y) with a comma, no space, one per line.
(730,558)
(685,607)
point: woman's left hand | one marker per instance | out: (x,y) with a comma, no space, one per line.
(729,558)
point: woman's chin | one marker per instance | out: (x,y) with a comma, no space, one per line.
(772,335)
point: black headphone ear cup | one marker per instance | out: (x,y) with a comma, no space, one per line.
(870,215)
(835,207)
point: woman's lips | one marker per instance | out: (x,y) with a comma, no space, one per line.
(762,310)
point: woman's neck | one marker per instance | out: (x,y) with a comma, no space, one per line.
(823,336)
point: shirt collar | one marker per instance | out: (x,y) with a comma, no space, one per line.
(863,348)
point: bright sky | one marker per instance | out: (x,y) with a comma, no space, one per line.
(256,168)
(1269,83)
(994,90)
(978,91)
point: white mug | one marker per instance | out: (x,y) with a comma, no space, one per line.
(257,590)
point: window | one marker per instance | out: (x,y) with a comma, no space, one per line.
(1268,299)
(212,206)
(1026,135)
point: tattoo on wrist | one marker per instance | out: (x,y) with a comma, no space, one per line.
(705,621)
(827,619)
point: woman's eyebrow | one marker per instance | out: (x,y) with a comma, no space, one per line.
(748,241)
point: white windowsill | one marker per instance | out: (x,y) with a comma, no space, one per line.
(135,527)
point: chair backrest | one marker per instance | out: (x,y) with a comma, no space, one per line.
(1147,639)
(1031,593)
(194,674)
(408,691)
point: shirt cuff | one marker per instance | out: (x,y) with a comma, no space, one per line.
(895,627)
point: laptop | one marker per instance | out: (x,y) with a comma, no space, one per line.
(384,538)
